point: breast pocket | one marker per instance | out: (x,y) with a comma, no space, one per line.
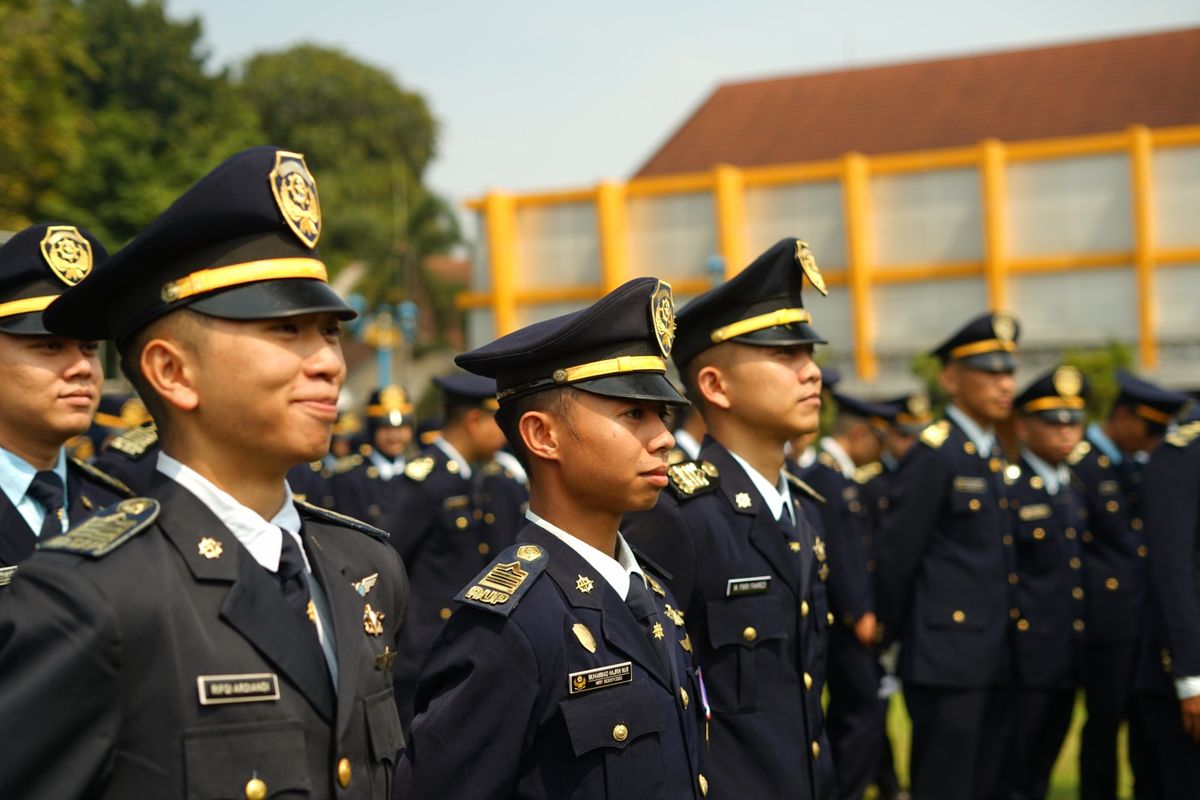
(228,762)
(621,727)
(747,635)
(384,738)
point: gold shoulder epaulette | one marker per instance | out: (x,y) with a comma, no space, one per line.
(135,442)
(1184,434)
(346,463)
(867,472)
(108,530)
(935,435)
(419,468)
(325,515)
(102,477)
(689,479)
(505,581)
(805,489)
(1082,449)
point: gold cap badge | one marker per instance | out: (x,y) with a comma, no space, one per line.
(662,313)
(295,193)
(1004,326)
(67,253)
(808,263)
(1067,381)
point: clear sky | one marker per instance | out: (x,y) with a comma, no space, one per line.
(555,93)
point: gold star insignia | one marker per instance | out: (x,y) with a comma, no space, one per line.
(742,500)
(657,630)
(794,547)
(584,584)
(372,620)
(210,548)
(655,586)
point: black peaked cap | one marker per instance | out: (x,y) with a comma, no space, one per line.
(36,266)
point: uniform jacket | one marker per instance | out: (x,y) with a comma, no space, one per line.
(88,491)
(1050,586)
(1114,546)
(759,618)
(312,483)
(104,654)
(848,536)
(131,457)
(555,691)
(361,492)
(945,554)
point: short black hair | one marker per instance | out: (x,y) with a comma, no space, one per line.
(554,401)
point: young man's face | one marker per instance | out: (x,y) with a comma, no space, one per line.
(270,387)
(1050,441)
(393,440)
(485,435)
(776,388)
(51,386)
(613,451)
(986,397)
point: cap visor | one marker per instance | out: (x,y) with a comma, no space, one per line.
(1062,416)
(25,325)
(272,299)
(995,361)
(781,336)
(634,386)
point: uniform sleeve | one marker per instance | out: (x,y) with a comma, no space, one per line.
(60,687)
(849,586)
(1172,495)
(476,704)
(918,491)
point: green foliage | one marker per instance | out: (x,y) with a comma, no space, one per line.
(1100,367)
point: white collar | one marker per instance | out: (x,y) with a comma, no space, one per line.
(778,497)
(806,459)
(262,538)
(1055,477)
(984,438)
(615,571)
(687,443)
(464,469)
(834,448)
(1107,445)
(388,467)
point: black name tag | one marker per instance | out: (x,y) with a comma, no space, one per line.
(600,677)
(260,687)
(739,587)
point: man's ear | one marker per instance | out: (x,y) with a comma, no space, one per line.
(541,431)
(710,382)
(168,366)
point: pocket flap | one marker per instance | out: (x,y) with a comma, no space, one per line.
(383,725)
(745,621)
(221,759)
(612,717)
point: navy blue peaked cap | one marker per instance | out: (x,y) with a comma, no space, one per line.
(830,377)
(1149,401)
(36,266)
(388,405)
(615,347)
(858,407)
(468,390)
(910,413)
(986,343)
(240,244)
(760,306)
(1057,396)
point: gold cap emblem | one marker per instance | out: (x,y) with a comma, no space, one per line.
(295,193)
(1067,381)
(808,263)
(918,404)
(662,314)
(67,253)
(1004,326)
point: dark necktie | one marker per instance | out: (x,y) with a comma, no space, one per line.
(47,490)
(642,605)
(296,594)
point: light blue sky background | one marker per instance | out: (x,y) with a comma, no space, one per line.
(555,93)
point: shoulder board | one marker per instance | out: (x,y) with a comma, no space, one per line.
(108,530)
(325,515)
(647,561)
(1082,449)
(102,478)
(419,468)
(135,442)
(935,435)
(804,488)
(828,460)
(689,479)
(1184,435)
(492,468)
(6,574)
(867,472)
(346,463)
(505,581)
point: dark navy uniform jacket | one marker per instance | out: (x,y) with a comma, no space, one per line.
(554,690)
(105,655)
(759,618)
(1050,585)
(88,491)
(1114,546)
(360,491)
(848,536)
(311,483)
(945,554)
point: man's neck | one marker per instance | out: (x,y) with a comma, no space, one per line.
(598,529)
(38,454)
(756,448)
(257,487)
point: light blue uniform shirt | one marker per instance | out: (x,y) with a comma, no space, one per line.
(16,474)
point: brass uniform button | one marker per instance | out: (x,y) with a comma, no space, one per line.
(969,448)
(1077,625)
(484,549)
(1015,613)
(1103,461)
(477,513)
(1070,533)
(973,505)
(1111,506)
(1074,562)
(829,617)
(1087,537)
(1142,551)
(703,781)
(749,633)
(959,615)
(256,789)
(816,749)
(1077,593)
(1008,540)
(452,467)
(1135,523)
(461,523)
(444,613)
(1012,578)
(1023,625)
(803,608)
(1112,584)
(1004,502)
(1039,533)
(489,518)
(343,772)
(807,681)
(620,732)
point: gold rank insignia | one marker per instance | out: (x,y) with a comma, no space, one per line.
(419,468)
(662,314)
(67,253)
(686,643)
(655,586)
(1067,381)
(366,584)
(657,630)
(584,636)
(794,547)
(372,620)
(311,612)
(384,660)
(209,547)
(808,263)
(584,584)
(674,615)
(819,549)
(742,500)
(498,585)
(295,193)
(529,552)
(936,434)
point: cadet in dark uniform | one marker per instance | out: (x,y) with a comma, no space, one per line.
(447,525)
(367,484)
(49,388)
(116,414)
(566,668)
(734,532)
(213,638)
(944,570)
(855,717)
(1110,463)
(1050,518)
(1172,508)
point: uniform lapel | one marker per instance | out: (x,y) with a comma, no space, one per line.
(254,605)
(17,541)
(346,607)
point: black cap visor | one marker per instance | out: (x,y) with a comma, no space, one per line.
(633,386)
(995,361)
(30,324)
(273,299)
(796,333)
(1061,416)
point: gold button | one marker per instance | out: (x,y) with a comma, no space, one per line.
(489,518)
(1135,523)
(807,681)
(1039,533)
(829,617)
(703,781)
(1112,584)
(994,464)
(1142,551)
(973,505)
(461,523)
(803,608)
(969,448)
(1077,593)
(1023,625)
(683,698)
(816,749)
(959,615)
(1012,578)
(1111,506)
(1070,533)
(1087,537)
(620,732)
(1004,502)
(1074,562)
(444,613)
(1015,613)
(343,772)
(1007,540)
(1103,461)
(256,789)
(749,634)
(484,549)
(452,467)
(477,513)
(1077,625)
